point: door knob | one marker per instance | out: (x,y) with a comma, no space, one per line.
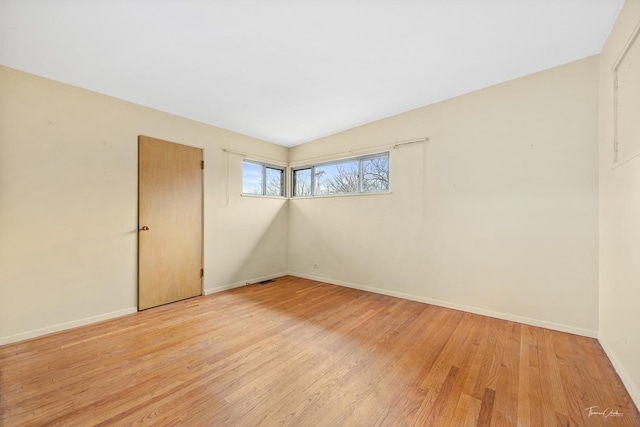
(144,228)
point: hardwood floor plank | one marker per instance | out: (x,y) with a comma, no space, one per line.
(473,413)
(490,339)
(505,408)
(304,353)
(524,407)
(552,380)
(486,409)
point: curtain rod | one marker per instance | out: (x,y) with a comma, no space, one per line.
(411,141)
(265,159)
(395,146)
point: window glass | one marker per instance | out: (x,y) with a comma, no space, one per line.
(262,179)
(366,174)
(251,178)
(275,182)
(302,182)
(375,174)
(336,178)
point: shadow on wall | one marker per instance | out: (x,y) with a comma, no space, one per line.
(257,247)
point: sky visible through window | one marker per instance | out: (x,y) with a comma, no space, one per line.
(251,178)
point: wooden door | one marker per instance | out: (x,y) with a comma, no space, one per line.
(169,222)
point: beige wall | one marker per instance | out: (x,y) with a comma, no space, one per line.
(619,330)
(68,205)
(497,213)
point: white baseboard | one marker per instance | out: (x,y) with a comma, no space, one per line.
(210,291)
(64,326)
(86,321)
(475,310)
(622,372)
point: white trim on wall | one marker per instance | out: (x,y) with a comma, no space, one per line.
(210,291)
(64,326)
(498,315)
(119,313)
(621,371)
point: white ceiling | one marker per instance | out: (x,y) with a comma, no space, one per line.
(290,71)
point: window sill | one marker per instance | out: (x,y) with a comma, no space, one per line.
(329,196)
(260,196)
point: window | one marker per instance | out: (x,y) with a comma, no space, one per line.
(262,179)
(367,174)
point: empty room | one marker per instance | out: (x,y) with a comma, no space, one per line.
(320,213)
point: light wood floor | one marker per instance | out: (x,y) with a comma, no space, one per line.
(303,353)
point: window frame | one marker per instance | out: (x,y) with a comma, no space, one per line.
(265,166)
(360,190)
